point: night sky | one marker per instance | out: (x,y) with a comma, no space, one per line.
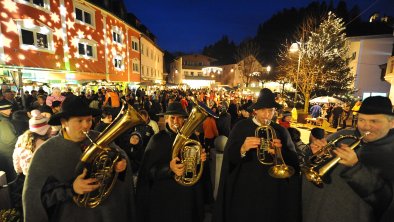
(189,25)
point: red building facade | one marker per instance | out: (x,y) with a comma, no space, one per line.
(66,40)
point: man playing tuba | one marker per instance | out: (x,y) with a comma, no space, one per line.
(52,180)
(159,197)
(247,191)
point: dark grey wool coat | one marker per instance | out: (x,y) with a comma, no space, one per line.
(54,167)
(362,193)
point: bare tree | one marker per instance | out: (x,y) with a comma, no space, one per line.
(247,59)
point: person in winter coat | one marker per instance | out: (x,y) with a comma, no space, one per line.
(360,187)
(56,175)
(157,191)
(246,190)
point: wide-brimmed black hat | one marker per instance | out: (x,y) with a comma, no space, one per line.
(266,99)
(174,109)
(73,106)
(376,105)
(5,104)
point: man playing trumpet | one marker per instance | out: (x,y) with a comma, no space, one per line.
(247,192)
(360,188)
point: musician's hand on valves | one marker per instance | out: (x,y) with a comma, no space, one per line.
(120,166)
(177,168)
(82,185)
(275,143)
(347,155)
(250,143)
(317,144)
(203,155)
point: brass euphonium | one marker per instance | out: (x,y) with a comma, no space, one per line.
(267,133)
(317,165)
(99,159)
(188,150)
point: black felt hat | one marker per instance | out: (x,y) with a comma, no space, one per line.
(73,106)
(376,105)
(174,109)
(266,99)
(5,104)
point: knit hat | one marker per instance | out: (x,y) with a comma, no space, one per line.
(376,105)
(38,123)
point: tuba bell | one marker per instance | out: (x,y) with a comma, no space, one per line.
(317,165)
(99,159)
(280,170)
(188,150)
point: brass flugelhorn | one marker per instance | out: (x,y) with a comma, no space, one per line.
(100,159)
(317,165)
(267,133)
(188,150)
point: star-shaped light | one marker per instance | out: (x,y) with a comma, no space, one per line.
(76,55)
(63,10)
(66,48)
(80,34)
(42,18)
(58,33)
(113,51)
(55,17)
(4,15)
(11,26)
(5,58)
(74,41)
(10,5)
(77,65)
(6,41)
(89,37)
(21,57)
(58,64)
(70,24)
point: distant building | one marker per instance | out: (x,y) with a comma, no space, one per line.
(368,53)
(151,61)
(200,71)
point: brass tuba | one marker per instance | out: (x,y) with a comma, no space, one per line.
(99,159)
(189,150)
(280,170)
(317,165)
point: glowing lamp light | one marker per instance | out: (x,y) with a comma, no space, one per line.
(70,76)
(21,57)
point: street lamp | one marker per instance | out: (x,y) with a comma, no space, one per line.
(294,48)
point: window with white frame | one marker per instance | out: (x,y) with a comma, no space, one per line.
(84,14)
(134,44)
(117,35)
(35,37)
(136,66)
(118,62)
(39,4)
(87,48)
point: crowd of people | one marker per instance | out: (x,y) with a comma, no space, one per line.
(43,136)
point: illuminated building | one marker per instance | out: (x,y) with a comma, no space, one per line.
(70,41)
